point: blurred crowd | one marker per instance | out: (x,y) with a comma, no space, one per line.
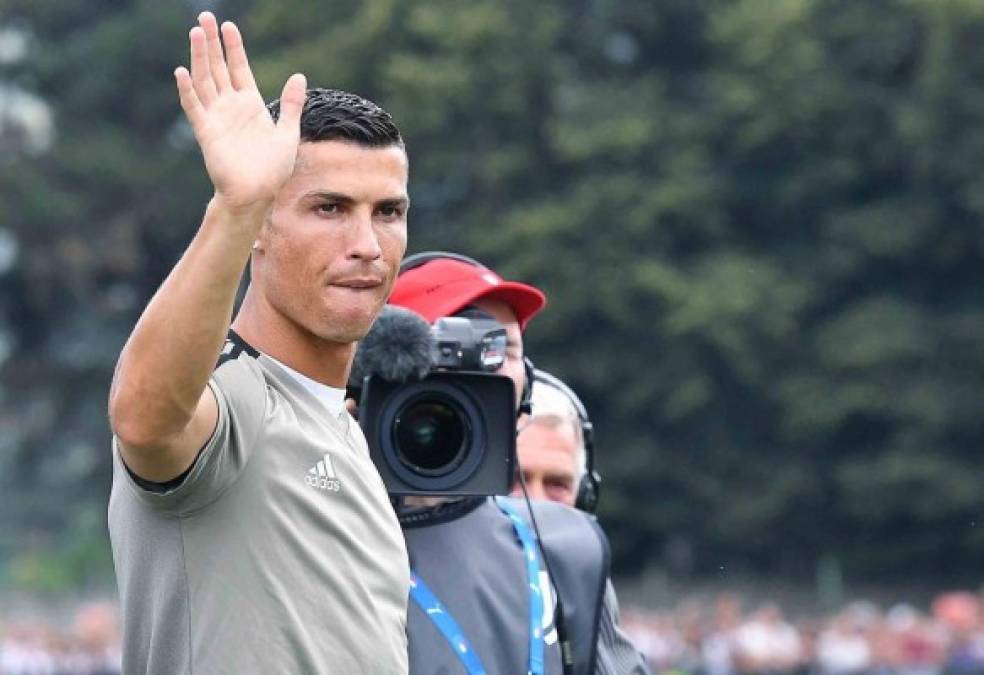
(721,638)
(88,645)
(717,637)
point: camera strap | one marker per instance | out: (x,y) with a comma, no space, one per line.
(449,628)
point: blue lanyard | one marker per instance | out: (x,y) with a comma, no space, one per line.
(445,623)
(450,629)
(533,579)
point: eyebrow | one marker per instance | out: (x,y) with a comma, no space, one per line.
(342,198)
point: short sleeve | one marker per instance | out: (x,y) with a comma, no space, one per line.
(241,396)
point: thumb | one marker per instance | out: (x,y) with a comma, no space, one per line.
(292,102)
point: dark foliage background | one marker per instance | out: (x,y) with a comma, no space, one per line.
(759,223)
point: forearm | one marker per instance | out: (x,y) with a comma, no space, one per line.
(165,366)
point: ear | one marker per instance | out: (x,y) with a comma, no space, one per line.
(259,244)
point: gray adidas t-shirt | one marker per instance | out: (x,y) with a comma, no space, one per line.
(278,553)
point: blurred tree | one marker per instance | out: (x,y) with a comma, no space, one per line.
(98,217)
(758,222)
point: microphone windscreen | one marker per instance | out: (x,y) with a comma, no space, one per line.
(396,349)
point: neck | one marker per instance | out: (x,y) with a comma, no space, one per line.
(292,344)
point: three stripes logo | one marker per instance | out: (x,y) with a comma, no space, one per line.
(322,475)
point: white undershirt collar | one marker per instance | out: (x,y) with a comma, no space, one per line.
(333,398)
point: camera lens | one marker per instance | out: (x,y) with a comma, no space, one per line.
(431,433)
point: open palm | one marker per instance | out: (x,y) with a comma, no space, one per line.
(247,155)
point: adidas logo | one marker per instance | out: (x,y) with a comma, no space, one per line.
(322,475)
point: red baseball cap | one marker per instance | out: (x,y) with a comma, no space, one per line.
(444,286)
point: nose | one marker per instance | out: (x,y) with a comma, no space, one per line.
(363,243)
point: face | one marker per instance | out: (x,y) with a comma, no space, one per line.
(513,365)
(328,256)
(548,459)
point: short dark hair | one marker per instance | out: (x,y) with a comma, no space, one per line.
(331,114)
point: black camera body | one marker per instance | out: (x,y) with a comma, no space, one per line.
(454,431)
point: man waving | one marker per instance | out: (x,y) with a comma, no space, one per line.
(250,530)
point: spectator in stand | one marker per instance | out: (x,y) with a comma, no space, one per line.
(767,643)
(90,647)
(718,646)
(97,639)
(843,647)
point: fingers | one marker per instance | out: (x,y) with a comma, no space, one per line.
(212,74)
(201,73)
(216,61)
(189,99)
(209,72)
(239,71)
(292,102)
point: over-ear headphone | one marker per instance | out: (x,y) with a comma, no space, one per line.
(419,259)
(590,485)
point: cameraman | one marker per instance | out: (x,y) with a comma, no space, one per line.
(555,449)
(468,554)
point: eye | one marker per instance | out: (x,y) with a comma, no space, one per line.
(328,208)
(390,211)
(559,485)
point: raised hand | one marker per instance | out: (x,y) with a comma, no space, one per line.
(247,155)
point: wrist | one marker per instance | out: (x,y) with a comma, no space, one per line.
(246,216)
(241,208)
